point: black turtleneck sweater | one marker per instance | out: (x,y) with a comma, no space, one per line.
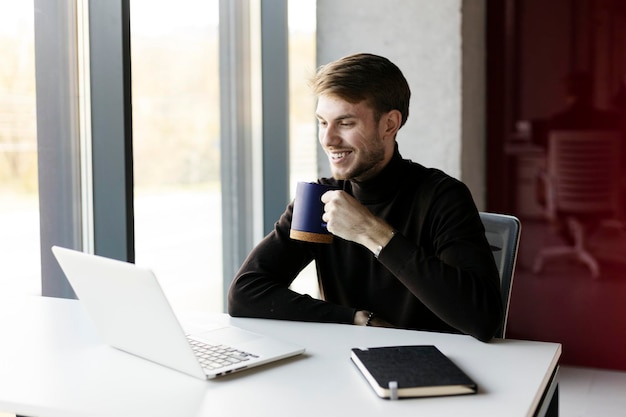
(437,273)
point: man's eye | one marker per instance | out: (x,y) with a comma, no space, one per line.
(321,123)
(346,124)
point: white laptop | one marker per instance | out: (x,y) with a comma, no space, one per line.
(131,313)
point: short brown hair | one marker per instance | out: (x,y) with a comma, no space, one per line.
(369,77)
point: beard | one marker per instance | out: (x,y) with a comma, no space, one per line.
(368,164)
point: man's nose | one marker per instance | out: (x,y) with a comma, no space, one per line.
(329,137)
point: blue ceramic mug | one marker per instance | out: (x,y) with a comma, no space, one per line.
(308,209)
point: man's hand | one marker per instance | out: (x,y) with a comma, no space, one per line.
(350,220)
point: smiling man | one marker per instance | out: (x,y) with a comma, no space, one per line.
(409,249)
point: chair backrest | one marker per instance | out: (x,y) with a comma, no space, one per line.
(583,168)
(503,233)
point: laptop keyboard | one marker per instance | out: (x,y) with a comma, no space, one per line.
(213,357)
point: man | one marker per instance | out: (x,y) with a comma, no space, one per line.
(409,248)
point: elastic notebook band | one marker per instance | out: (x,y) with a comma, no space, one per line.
(393,389)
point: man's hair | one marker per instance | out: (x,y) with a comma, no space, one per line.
(365,77)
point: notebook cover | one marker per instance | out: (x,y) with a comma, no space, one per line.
(412,371)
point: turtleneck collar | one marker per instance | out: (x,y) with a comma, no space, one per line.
(382,186)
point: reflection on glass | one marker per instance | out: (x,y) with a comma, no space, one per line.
(19,202)
(175,92)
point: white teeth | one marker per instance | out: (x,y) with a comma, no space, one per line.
(337,155)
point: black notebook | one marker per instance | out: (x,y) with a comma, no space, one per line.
(411,371)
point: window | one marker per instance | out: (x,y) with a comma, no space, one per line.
(177,221)
(19,203)
(303,142)
(176,111)
(302,66)
(176,148)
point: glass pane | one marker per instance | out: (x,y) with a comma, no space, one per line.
(20,269)
(302,122)
(175,93)
(302,66)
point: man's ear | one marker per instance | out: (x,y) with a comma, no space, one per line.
(391,123)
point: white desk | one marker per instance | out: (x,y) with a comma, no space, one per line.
(53,364)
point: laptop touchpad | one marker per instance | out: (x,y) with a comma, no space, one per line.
(226,335)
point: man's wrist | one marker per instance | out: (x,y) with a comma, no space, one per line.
(381,241)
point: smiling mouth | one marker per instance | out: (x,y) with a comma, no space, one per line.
(337,156)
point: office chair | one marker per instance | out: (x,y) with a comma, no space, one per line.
(503,233)
(582,190)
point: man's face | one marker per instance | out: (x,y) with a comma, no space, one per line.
(351,138)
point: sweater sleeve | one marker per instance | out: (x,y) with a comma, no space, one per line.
(449,267)
(261,286)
